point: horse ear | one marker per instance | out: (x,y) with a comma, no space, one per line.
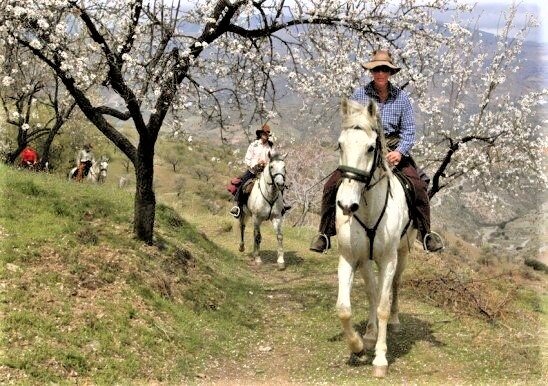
(283,156)
(344,106)
(372,108)
(349,107)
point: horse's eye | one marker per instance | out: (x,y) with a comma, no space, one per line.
(371,148)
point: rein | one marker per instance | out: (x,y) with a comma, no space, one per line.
(275,187)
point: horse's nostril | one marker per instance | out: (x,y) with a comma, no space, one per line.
(354,207)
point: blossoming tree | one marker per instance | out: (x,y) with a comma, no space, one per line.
(224,59)
(480,117)
(33,101)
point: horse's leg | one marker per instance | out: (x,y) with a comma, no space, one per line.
(387,271)
(242,231)
(367,271)
(256,239)
(394,321)
(344,309)
(277,224)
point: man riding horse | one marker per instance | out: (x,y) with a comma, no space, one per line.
(84,162)
(255,159)
(398,123)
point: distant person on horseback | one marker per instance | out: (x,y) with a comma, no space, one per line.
(29,158)
(84,162)
(397,117)
(255,159)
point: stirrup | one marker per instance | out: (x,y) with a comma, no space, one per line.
(235,211)
(432,234)
(327,242)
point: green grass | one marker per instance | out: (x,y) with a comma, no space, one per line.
(83,302)
(83,299)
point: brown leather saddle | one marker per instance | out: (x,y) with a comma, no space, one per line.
(248,186)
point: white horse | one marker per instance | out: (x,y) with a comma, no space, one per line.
(97,173)
(373,227)
(266,203)
(103,168)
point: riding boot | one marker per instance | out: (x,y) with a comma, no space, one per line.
(321,242)
(240,197)
(431,241)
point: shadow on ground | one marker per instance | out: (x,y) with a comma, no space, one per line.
(290,257)
(412,330)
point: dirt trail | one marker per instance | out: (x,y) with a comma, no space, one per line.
(267,362)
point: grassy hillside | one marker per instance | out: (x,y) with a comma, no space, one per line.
(82,302)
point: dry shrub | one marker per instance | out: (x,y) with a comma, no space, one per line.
(537,265)
(467,293)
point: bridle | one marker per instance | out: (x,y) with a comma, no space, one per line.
(362,175)
(365,177)
(277,189)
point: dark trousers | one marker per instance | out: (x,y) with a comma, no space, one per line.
(420,211)
(240,197)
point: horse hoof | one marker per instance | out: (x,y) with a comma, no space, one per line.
(394,327)
(369,342)
(258,261)
(359,354)
(242,248)
(380,371)
(281,266)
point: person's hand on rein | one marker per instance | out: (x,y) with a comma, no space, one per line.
(393,158)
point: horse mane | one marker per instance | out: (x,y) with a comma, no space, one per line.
(367,118)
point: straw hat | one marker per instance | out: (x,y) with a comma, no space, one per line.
(264,128)
(381,58)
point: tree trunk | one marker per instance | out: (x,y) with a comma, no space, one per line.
(44,157)
(12,156)
(145,200)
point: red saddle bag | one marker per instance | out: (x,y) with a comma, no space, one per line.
(232,187)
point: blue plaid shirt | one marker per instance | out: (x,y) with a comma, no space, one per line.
(397,115)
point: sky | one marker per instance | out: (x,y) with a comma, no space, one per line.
(492,10)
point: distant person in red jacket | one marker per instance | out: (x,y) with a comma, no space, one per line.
(29,158)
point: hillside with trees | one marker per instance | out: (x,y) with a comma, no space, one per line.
(223,61)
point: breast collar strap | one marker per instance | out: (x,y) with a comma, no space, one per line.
(271,203)
(372,232)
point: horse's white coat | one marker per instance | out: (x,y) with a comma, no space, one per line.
(103,168)
(389,249)
(97,173)
(266,203)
